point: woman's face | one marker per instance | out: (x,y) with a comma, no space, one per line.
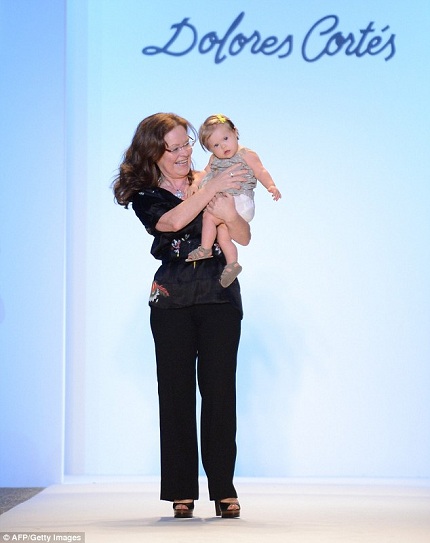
(223,141)
(176,164)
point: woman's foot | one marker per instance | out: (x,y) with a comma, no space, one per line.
(183,508)
(227,508)
(229,274)
(199,254)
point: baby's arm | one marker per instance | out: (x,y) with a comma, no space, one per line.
(260,172)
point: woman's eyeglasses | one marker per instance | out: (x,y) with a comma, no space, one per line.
(186,146)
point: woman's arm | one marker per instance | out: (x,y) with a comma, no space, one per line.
(186,211)
(223,207)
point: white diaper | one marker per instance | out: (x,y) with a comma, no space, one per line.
(245,206)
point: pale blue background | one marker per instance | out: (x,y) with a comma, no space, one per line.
(334,371)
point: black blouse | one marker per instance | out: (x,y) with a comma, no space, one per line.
(178,283)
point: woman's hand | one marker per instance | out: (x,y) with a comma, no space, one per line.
(231,178)
(222,206)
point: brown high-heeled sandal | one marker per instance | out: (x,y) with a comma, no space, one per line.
(222,509)
(186,512)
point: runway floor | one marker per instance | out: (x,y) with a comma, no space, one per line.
(296,511)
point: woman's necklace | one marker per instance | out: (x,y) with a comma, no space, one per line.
(179,192)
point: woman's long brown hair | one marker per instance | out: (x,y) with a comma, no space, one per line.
(138,169)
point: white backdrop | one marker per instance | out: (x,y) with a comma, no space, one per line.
(333,372)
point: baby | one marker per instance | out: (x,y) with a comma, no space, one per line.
(219,135)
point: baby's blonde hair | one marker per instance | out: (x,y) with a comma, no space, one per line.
(207,128)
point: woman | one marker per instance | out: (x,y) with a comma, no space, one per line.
(195,322)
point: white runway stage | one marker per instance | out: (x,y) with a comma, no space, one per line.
(293,511)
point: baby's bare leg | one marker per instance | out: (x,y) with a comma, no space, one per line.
(227,246)
(209,232)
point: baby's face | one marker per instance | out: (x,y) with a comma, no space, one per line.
(223,141)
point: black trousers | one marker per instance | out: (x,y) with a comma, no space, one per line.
(198,341)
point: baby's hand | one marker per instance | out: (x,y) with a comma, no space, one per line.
(275,192)
(192,189)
